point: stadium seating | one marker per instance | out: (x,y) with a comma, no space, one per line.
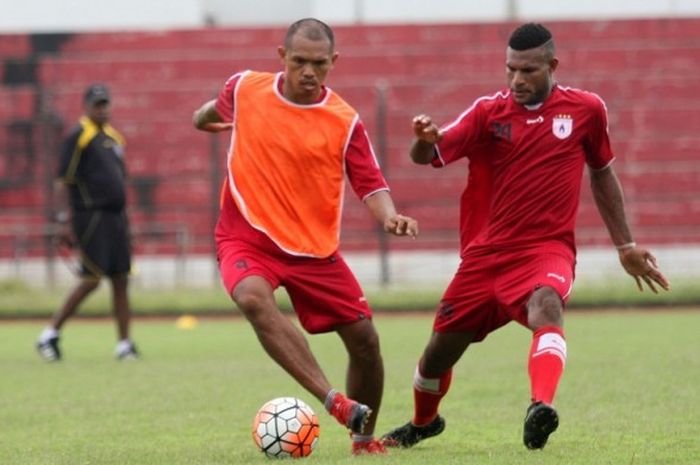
(642,68)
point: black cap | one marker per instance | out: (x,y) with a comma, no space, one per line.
(96,93)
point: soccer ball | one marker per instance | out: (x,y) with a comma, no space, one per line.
(285,427)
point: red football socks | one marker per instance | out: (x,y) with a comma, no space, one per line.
(427,393)
(546,363)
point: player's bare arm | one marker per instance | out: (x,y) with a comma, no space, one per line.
(382,207)
(63,234)
(206,118)
(427,135)
(637,261)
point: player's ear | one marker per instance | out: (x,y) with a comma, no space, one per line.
(553,63)
(281,51)
(335,57)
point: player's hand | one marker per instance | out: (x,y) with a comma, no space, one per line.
(425,130)
(217,127)
(400,225)
(641,264)
(64,236)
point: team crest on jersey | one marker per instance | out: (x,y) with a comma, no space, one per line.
(116,148)
(562,125)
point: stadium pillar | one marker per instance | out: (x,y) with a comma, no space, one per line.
(381,88)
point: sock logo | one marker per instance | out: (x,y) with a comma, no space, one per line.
(551,343)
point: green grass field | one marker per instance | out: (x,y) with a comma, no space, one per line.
(630,394)
(19,299)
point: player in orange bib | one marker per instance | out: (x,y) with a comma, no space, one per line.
(293,142)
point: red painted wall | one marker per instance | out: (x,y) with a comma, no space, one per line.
(643,69)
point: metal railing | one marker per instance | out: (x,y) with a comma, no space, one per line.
(26,242)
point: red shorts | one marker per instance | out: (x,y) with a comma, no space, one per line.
(491,290)
(323,291)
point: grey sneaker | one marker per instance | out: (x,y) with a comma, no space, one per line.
(409,434)
(541,420)
(48,350)
(126,352)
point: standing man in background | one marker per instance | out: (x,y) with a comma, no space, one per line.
(293,142)
(527,147)
(90,195)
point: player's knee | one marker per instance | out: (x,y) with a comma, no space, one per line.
(121,278)
(545,308)
(365,346)
(89,284)
(251,302)
(370,344)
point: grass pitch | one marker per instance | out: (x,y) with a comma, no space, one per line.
(19,299)
(630,394)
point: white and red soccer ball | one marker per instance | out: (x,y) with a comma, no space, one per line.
(285,427)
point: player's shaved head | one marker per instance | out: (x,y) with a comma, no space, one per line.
(310,28)
(532,35)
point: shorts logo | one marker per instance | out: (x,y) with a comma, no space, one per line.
(562,125)
(445,311)
(241,264)
(558,277)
